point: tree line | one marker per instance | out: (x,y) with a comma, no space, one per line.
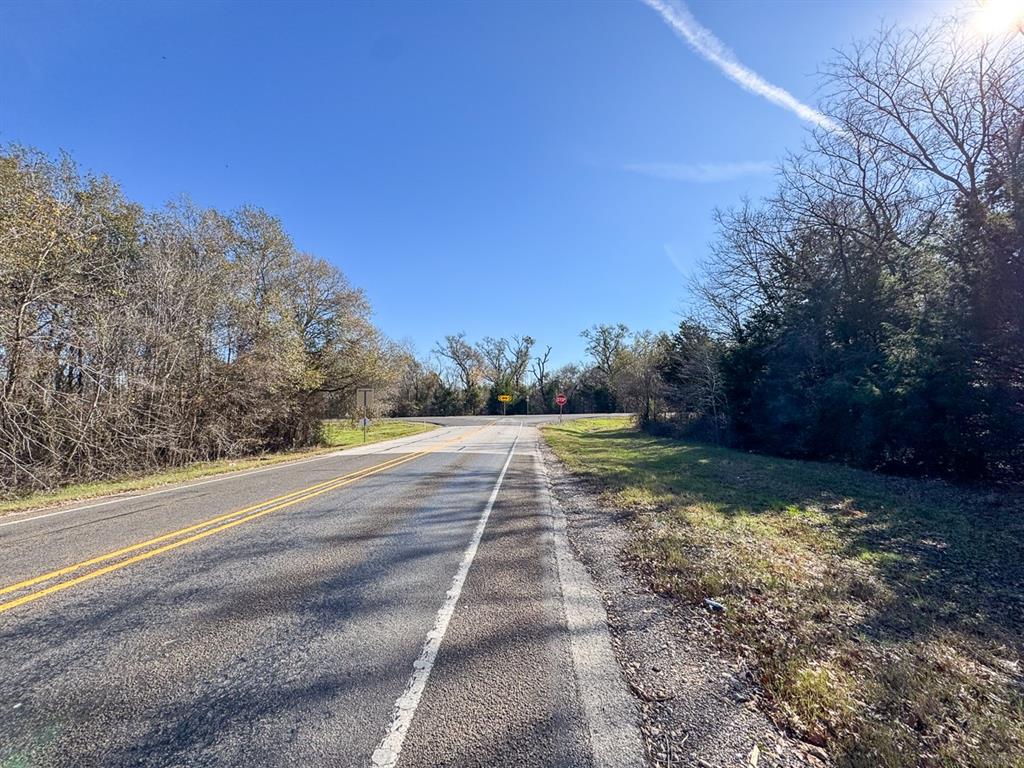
(871,310)
(463,377)
(134,339)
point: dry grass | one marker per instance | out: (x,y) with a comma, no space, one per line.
(883,616)
(336,434)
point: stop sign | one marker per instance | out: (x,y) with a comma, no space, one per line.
(561,399)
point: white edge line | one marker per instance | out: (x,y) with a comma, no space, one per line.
(227,475)
(609,709)
(387,753)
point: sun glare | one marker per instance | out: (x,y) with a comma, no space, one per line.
(998,17)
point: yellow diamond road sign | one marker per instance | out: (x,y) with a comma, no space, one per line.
(504,398)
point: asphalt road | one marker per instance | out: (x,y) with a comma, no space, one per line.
(400,604)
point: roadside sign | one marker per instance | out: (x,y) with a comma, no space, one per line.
(561,399)
(504,399)
(364,399)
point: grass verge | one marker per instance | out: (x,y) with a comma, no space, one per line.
(883,616)
(340,433)
(336,434)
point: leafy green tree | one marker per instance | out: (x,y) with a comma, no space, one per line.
(873,306)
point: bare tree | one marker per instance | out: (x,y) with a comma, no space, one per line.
(465,358)
(493,354)
(637,379)
(131,340)
(505,360)
(519,358)
(539,371)
(606,344)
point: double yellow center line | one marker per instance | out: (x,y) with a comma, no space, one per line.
(196,532)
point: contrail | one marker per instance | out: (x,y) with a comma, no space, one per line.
(699,172)
(704,42)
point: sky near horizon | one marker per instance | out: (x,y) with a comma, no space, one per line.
(493,168)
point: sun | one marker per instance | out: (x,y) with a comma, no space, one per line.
(998,17)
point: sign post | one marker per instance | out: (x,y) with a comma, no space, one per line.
(503,399)
(561,400)
(364,397)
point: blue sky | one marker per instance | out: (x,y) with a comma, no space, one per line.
(493,168)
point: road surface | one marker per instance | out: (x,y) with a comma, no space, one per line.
(409,603)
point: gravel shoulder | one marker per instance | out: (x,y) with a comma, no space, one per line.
(697,707)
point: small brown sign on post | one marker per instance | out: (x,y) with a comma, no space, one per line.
(364,399)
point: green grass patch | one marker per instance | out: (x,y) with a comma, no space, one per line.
(342,433)
(884,616)
(336,434)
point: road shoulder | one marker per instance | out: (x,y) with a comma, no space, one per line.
(611,713)
(696,707)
